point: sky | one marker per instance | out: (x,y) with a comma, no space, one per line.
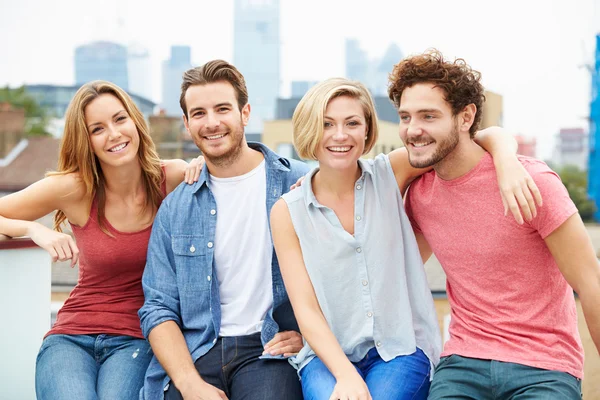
(532,52)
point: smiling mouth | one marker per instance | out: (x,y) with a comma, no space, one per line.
(339,149)
(419,145)
(118,147)
(215,137)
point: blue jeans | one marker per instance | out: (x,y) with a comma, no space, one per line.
(233,365)
(459,377)
(91,367)
(404,377)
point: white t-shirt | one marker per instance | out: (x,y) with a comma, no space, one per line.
(243,251)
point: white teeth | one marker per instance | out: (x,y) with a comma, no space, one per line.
(117,148)
(340,149)
(214,137)
(421,144)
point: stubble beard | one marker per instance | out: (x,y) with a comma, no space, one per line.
(442,150)
(230,156)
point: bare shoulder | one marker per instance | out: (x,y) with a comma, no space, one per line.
(69,186)
(280,212)
(174,172)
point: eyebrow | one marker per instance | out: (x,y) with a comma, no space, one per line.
(192,110)
(347,118)
(100,123)
(422,111)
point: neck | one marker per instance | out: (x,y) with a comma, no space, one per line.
(336,182)
(245,161)
(123,181)
(465,156)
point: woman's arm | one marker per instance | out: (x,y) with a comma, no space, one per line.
(519,191)
(403,171)
(308,313)
(19,210)
(178,171)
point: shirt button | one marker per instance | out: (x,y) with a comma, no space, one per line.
(358,187)
(213,212)
(378,344)
(214,340)
(208,277)
(358,250)
(369,314)
(210,245)
(358,218)
(192,249)
(365,282)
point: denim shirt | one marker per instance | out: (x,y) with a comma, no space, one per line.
(180,282)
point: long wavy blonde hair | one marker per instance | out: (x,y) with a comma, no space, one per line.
(76,154)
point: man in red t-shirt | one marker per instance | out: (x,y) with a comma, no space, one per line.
(513,328)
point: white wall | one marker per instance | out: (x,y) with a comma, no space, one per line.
(25,285)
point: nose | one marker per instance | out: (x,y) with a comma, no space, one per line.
(212,122)
(340,134)
(413,129)
(113,132)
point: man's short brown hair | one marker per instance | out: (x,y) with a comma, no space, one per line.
(211,72)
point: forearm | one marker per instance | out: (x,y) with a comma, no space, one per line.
(590,299)
(317,333)
(497,142)
(170,348)
(15,227)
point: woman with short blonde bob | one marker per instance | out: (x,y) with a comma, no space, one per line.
(349,258)
(108,186)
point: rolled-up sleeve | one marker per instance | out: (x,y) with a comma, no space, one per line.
(160,279)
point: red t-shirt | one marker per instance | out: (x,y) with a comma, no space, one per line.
(509,300)
(109,291)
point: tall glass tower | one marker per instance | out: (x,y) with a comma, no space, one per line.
(256,54)
(102,60)
(172,73)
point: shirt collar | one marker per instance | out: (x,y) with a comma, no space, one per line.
(272,161)
(309,195)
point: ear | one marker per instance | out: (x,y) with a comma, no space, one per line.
(467,117)
(187,125)
(246,114)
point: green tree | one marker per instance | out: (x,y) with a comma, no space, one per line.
(576,182)
(36,119)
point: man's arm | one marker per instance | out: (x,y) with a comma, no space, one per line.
(572,249)
(160,315)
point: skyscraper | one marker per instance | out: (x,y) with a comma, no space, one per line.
(357,62)
(139,67)
(256,54)
(373,73)
(381,70)
(102,60)
(172,72)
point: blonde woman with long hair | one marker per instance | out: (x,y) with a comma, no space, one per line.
(108,186)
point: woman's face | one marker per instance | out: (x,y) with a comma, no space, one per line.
(113,134)
(344,133)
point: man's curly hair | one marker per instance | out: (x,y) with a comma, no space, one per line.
(457,79)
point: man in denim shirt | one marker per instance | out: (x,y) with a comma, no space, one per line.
(216,312)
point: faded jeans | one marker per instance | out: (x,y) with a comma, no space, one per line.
(91,367)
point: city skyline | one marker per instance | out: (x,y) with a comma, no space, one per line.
(533,57)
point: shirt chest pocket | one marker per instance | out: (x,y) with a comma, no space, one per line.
(194,271)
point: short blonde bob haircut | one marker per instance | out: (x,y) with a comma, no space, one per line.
(308,117)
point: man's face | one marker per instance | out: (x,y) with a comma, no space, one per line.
(215,122)
(427,126)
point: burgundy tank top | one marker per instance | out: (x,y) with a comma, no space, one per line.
(109,291)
